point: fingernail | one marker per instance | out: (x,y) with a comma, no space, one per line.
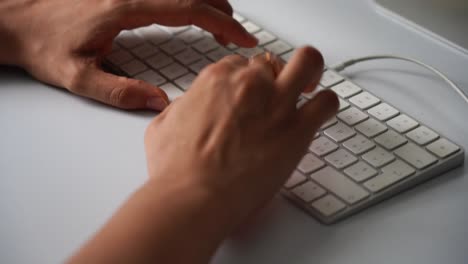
(156,103)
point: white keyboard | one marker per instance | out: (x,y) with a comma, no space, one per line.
(367,153)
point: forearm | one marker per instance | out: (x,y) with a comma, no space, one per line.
(161,224)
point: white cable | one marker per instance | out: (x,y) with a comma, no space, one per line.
(340,67)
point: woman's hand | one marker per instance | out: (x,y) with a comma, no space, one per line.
(62,42)
(237,133)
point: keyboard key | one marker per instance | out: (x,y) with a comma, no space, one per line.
(250,52)
(200,65)
(329,123)
(190,35)
(392,173)
(205,45)
(185,81)
(359,144)
(422,135)
(322,146)
(172,91)
(302,101)
(278,47)
(145,50)
(340,132)
(264,37)
(128,39)
(352,116)
(415,156)
(174,71)
(339,185)
(390,140)
(218,54)
(152,77)
(119,57)
(232,46)
(378,157)
(371,128)
(364,100)
(159,60)
(188,56)
(328,205)
(310,163)
(341,159)
(238,17)
(251,27)
(360,171)
(295,179)
(287,56)
(330,78)
(154,34)
(308,191)
(383,112)
(343,104)
(443,148)
(346,89)
(175,30)
(133,67)
(402,123)
(173,46)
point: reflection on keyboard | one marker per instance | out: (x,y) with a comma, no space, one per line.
(368,152)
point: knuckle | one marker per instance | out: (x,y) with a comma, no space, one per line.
(117,96)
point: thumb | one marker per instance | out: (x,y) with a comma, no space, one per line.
(118,91)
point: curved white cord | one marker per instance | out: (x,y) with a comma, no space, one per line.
(340,67)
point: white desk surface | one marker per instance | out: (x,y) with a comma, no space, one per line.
(67,163)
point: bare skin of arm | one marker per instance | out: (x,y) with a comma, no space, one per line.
(208,171)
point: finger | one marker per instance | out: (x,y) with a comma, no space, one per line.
(119,91)
(218,23)
(264,61)
(303,70)
(234,61)
(317,111)
(226,8)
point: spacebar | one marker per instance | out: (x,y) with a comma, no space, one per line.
(340,185)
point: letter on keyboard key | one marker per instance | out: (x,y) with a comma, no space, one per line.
(278,47)
(443,148)
(172,91)
(358,144)
(310,163)
(339,185)
(383,112)
(352,116)
(341,159)
(364,100)
(360,171)
(328,205)
(346,89)
(330,78)
(151,77)
(378,157)
(422,135)
(308,191)
(415,156)
(295,179)
(391,140)
(371,128)
(322,146)
(402,123)
(340,132)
